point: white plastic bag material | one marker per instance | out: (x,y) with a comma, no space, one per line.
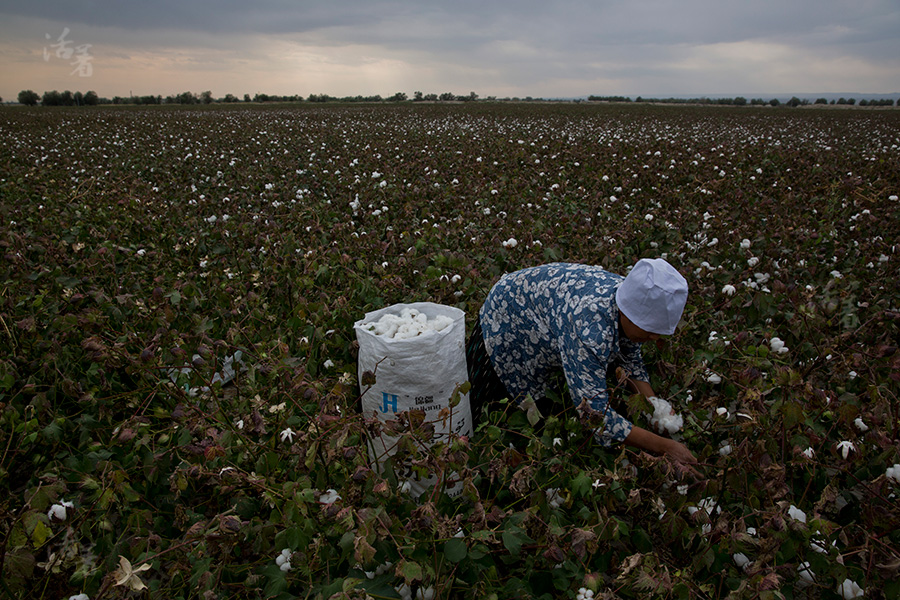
(415,373)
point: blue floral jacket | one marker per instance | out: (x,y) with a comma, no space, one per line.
(560,316)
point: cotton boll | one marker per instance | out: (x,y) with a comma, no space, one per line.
(745,243)
(729,290)
(797,514)
(861,425)
(329,497)
(58,511)
(849,590)
(752,261)
(807,577)
(554,499)
(664,418)
(846,448)
(741,560)
(893,473)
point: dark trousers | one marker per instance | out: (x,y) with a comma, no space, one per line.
(486,385)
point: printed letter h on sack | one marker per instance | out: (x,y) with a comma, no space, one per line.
(389,400)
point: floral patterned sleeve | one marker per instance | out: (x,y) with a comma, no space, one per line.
(585,358)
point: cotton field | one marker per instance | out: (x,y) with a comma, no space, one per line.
(178,397)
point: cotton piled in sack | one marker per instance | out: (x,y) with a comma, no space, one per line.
(417,353)
(408,324)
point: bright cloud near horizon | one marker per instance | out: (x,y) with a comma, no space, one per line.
(505,48)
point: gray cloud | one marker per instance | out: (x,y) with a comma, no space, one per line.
(521,44)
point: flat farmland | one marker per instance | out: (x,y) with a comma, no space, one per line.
(178,386)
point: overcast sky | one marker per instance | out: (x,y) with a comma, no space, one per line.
(503,48)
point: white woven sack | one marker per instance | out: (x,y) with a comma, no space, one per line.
(420,373)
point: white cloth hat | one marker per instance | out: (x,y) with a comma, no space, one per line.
(653,296)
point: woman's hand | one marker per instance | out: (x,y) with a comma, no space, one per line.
(649,441)
(678,451)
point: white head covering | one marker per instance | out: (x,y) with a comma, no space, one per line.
(653,296)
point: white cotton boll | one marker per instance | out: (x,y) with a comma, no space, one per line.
(777,345)
(752,261)
(807,577)
(846,447)
(328,364)
(893,473)
(554,499)
(850,590)
(729,290)
(80,597)
(836,274)
(426,594)
(745,243)
(809,453)
(283,560)
(725,449)
(329,497)
(722,412)
(797,514)
(741,560)
(663,418)
(861,425)
(510,243)
(59,511)
(648,217)
(713,378)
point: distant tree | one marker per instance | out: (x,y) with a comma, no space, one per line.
(91,98)
(247,98)
(774,102)
(851,101)
(51,99)
(417,96)
(206,97)
(472,97)
(842,101)
(28,98)
(447,97)
(740,101)
(398,97)
(431,97)
(186,98)
(794,102)
(821,101)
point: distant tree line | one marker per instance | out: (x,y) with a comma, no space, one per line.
(68,98)
(741,101)
(90,98)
